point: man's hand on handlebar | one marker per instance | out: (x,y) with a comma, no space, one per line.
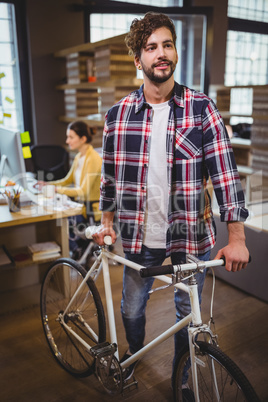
(236,253)
(103,231)
(236,258)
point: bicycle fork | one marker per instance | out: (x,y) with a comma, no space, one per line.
(197,321)
(193,332)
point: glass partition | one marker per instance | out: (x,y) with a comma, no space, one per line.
(191,42)
(11,114)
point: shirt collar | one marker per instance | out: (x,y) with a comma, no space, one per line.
(177,98)
(140,100)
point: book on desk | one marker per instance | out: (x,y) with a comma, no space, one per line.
(44,250)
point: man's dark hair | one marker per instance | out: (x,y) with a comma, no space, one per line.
(141,29)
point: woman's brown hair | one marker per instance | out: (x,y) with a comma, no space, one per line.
(81,129)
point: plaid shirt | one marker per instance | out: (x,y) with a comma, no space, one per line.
(197,146)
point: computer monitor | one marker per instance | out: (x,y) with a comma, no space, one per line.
(12,165)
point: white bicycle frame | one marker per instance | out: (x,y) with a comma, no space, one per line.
(194,317)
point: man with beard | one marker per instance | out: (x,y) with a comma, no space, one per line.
(160,144)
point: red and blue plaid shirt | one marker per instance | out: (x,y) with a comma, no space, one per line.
(197,146)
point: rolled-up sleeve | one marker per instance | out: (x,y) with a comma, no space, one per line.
(220,163)
(108,187)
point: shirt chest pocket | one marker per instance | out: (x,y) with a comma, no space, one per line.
(188,143)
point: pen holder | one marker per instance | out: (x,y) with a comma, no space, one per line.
(14,204)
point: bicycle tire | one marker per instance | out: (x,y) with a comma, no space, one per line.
(232,384)
(60,283)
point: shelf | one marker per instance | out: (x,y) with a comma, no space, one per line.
(91,46)
(99,123)
(123,86)
(240,143)
(227,115)
(245,170)
(26,259)
(119,83)
(115,73)
(216,87)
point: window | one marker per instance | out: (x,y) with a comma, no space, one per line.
(11,113)
(241,105)
(247,52)
(103,26)
(255,10)
(160,3)
(246,59)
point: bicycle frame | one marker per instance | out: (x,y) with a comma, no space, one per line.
(194,317)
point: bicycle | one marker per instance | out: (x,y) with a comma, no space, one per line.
(75,328)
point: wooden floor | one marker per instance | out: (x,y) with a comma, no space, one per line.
(30,373)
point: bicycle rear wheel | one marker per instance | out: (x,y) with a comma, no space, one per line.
(219,378)
(85,316)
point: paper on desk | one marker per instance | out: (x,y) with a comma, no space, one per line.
(58,205)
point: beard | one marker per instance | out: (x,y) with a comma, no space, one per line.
(162,76)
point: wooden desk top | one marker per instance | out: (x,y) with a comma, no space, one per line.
(34,213)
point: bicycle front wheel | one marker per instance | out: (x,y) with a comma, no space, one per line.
(219,378)
(85,316)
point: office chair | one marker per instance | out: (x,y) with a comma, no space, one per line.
(50,162)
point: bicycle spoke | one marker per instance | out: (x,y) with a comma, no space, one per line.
(219,379)
(85,315)
(75,346)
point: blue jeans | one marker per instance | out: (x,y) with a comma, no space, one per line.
(135,296)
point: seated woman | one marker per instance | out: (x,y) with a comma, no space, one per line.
(82,183)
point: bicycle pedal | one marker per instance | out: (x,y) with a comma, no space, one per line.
(130,385)
(103,349)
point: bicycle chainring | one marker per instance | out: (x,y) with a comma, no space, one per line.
(109,373)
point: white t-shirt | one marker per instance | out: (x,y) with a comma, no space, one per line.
(78,170)
(156,213)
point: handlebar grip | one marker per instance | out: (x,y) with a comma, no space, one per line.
(90,230)
(224,261)
(107,240)
(158,270)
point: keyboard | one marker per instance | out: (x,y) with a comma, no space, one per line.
(30,186)
(25,199)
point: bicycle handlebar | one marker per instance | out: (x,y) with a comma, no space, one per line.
(162,269)
(157,270)
(172,269)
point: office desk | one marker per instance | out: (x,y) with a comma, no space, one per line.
(254,278)
(36,223)
(34,213)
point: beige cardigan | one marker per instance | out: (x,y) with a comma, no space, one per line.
(89,189)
